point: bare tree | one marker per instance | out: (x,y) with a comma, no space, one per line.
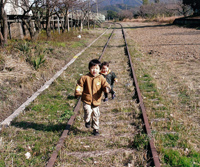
(33,14)
(51,9)
(157,9)
(183,9)
(84,8)
(4,23)
(65,6)
(125,14)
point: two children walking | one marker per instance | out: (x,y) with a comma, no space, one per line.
(90,88)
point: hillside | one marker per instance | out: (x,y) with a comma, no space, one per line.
(133,3)
(118,5)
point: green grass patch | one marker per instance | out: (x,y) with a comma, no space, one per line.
(77,44)
(184,96)
(140,141)
(174,158)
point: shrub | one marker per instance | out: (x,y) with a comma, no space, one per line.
(24,47)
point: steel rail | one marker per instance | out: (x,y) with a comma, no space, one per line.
(100,57)
(64,135)
(144,114)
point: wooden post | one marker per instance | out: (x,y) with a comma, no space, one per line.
(9,29)
(58,24)
(72,20)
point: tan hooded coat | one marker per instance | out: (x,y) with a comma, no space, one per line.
(91,89)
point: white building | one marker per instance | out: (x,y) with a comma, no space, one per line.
(10,9)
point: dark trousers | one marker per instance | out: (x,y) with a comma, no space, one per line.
(111,91)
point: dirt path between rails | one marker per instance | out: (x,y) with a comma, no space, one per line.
(117,122)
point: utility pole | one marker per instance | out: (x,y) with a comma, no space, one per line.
(88,14)
(97,7)
(72,19)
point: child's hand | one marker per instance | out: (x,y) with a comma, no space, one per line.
(116,80)
(78,90)
(107,90)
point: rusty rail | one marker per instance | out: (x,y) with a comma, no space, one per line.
(64,135)
(144,114)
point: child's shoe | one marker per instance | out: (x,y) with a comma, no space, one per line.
(87,124)
(95,132)
(113,96)
(106,99)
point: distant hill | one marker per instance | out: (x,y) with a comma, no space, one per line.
(133,3)
(118,5)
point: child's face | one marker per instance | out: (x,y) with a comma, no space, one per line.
(94,70)
(105,69)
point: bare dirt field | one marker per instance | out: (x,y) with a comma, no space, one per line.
(177,47)
(171,54)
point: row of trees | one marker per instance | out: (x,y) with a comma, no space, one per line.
(152,10)
(194,4)
(181,7)
(36,11)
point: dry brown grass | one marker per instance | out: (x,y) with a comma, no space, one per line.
(18,78)
(158,19)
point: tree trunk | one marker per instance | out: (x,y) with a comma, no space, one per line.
(66,21)
(2,41)
(64,24)
(29,27)
(33,30)
(48,29)
(81,28)
(4,27)
(88,21)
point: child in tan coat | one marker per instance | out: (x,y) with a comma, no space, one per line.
(90,88)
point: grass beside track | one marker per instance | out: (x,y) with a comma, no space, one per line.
(39,127)
(176,137)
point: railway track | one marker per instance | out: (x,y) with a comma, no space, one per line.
(119,121)
(117,127)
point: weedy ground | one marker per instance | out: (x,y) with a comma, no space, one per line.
(166,59)
(39,127)
(25,65)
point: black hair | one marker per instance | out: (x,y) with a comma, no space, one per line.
(105,63)
(94,62)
